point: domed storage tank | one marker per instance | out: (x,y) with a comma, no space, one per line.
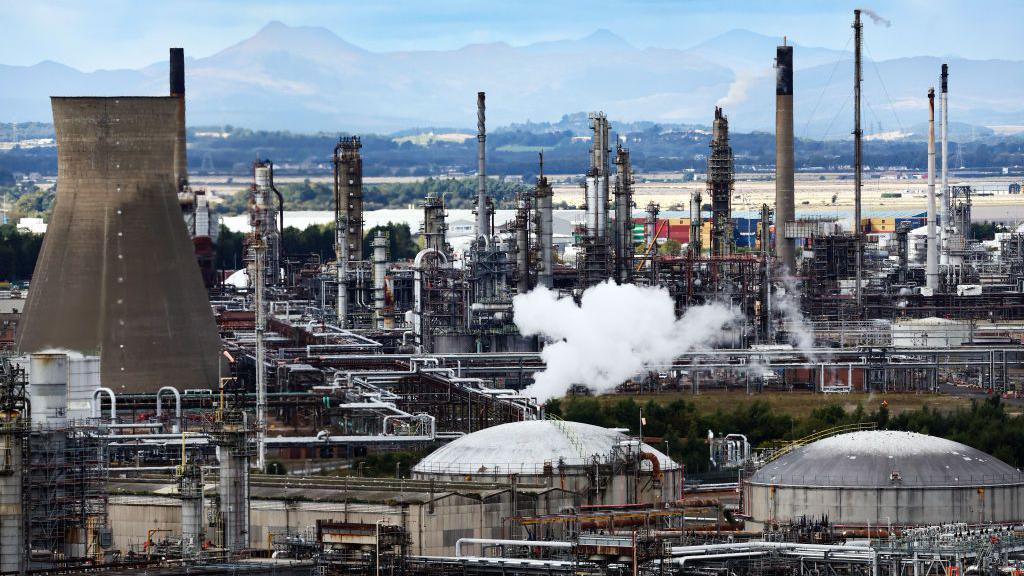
(882,477)
(603,466)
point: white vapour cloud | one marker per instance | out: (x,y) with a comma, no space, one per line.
(616,332)
(740,88)
(801,334)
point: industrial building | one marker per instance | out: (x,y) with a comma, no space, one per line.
(155,419)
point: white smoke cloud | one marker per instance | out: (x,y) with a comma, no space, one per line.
(801,334)
(740,87)
(616,332)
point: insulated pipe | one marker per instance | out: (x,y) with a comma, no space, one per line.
(176,427)
(483,217)
(932,262)
(680,562)
(96,404)
(500,542)
(944,210)
(785,203)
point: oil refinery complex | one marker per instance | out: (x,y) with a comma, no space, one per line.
(154,419)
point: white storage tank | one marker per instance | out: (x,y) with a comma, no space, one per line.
(879,477)
(930,333)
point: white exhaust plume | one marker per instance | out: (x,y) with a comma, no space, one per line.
(801,333)
(617,331)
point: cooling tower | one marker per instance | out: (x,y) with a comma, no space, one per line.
(116,275)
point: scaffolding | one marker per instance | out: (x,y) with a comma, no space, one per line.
(65,490)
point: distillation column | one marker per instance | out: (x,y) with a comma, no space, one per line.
(696,223)
(785,209)
(434,226)
(234,449)
(380,268)
(597,187)
(190,490)
(932,262)
(545,233)
(348,216)
(263,219)
(720,183)
(623,236)
(523,243)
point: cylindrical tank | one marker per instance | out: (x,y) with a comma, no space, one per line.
(601,465)
(879,477)
(234,497)
(48,389)
(190,490)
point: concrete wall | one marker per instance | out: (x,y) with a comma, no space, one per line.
(117,275)
(433,529)
(880,506)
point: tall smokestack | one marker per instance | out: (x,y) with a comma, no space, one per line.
(785,203)
(483,217)
(944,210)
(858,164)
(178,92)
(932,263)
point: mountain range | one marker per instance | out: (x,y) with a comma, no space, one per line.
(308,79)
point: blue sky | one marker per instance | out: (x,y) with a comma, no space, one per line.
(129,34)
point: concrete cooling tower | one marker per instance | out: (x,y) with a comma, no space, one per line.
(116,275)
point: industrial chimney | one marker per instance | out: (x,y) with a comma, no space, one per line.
(178,93)
(785,204)
(483,216)
(116,275)
(932,261)
(944,228)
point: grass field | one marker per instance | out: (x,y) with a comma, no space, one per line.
(801,403)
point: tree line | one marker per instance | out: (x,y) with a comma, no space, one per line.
(985,425)
(456,192)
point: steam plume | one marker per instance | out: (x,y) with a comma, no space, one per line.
(616,332)
(875,17)
(801,334)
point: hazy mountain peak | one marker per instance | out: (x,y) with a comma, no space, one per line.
(601,39)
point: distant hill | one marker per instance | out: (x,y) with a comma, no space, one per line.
(307,79)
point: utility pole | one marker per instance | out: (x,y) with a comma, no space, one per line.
(858,39)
